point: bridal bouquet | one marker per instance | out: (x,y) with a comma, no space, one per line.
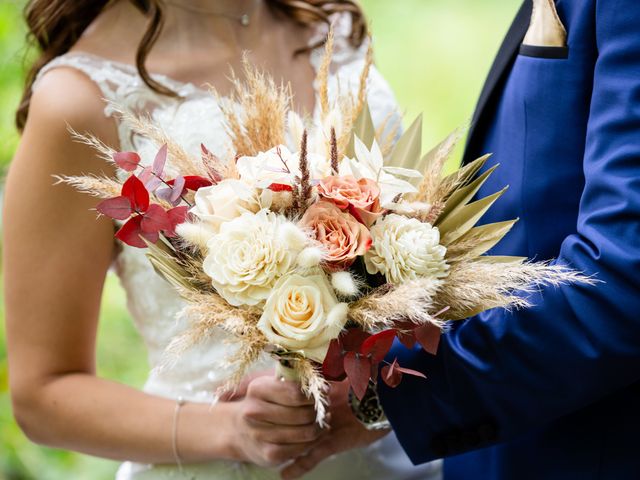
(317,243)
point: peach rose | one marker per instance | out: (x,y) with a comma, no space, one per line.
(361,197)
(343,237)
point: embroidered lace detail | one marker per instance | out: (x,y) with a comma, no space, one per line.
(192,118)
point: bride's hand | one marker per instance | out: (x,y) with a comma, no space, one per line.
(273,423)
(346,434)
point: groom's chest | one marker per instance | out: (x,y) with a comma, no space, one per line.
(534,122)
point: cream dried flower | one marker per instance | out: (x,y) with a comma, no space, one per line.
(250,253)
(405,249)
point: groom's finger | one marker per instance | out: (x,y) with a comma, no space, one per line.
(303,465)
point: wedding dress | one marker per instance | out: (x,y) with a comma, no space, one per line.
(192,118)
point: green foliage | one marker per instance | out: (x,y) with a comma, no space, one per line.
(12,52)
(435,54)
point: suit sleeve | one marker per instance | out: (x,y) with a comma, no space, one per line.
(501,373)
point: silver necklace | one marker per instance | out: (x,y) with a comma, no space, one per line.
(243,19)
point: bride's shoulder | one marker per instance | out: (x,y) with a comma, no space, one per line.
(65,95)
(65,100)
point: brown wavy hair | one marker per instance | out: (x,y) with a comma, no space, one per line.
(55,25)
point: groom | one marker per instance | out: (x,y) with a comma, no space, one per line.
(552,392)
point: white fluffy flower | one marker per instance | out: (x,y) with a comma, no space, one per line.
(224,201)
(370,164)
(250,253)
(404,249)
(303,314)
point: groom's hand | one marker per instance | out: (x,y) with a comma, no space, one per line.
(346,433)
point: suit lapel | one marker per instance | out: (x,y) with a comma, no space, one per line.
(499,69)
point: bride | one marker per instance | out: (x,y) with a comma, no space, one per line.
(156,57)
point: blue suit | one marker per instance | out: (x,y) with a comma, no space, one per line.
(552,392)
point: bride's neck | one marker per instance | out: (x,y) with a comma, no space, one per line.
(226,21)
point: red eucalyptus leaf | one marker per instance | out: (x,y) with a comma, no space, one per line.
(414,373)
(149,179)
(378,345)
(280,187)
(137,194)
(118,208)
(404,331)
(391,375)
(164,194)
(333,365)
(160,161)
(176,216)
(131,231)
(127,161)
(178,188)
(155,219)
(408,339)
(429,337)
(352,340)
(193,182)
(358,370)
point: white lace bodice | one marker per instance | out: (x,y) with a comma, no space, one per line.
(192,118)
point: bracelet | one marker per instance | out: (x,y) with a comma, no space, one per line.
(180,402)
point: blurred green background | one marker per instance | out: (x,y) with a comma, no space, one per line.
(435,54)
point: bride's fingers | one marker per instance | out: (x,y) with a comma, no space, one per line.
(271,413)
(278,435)
(279,454)
(241,390)
(305,463)
(272,390)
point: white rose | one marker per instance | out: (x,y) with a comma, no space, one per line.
(250,253)
(277,165)
(405,249)
(224,201)
(303,314)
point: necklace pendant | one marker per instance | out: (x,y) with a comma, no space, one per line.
(245,20)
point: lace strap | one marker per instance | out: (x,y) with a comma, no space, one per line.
(119,83)
(108,76)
